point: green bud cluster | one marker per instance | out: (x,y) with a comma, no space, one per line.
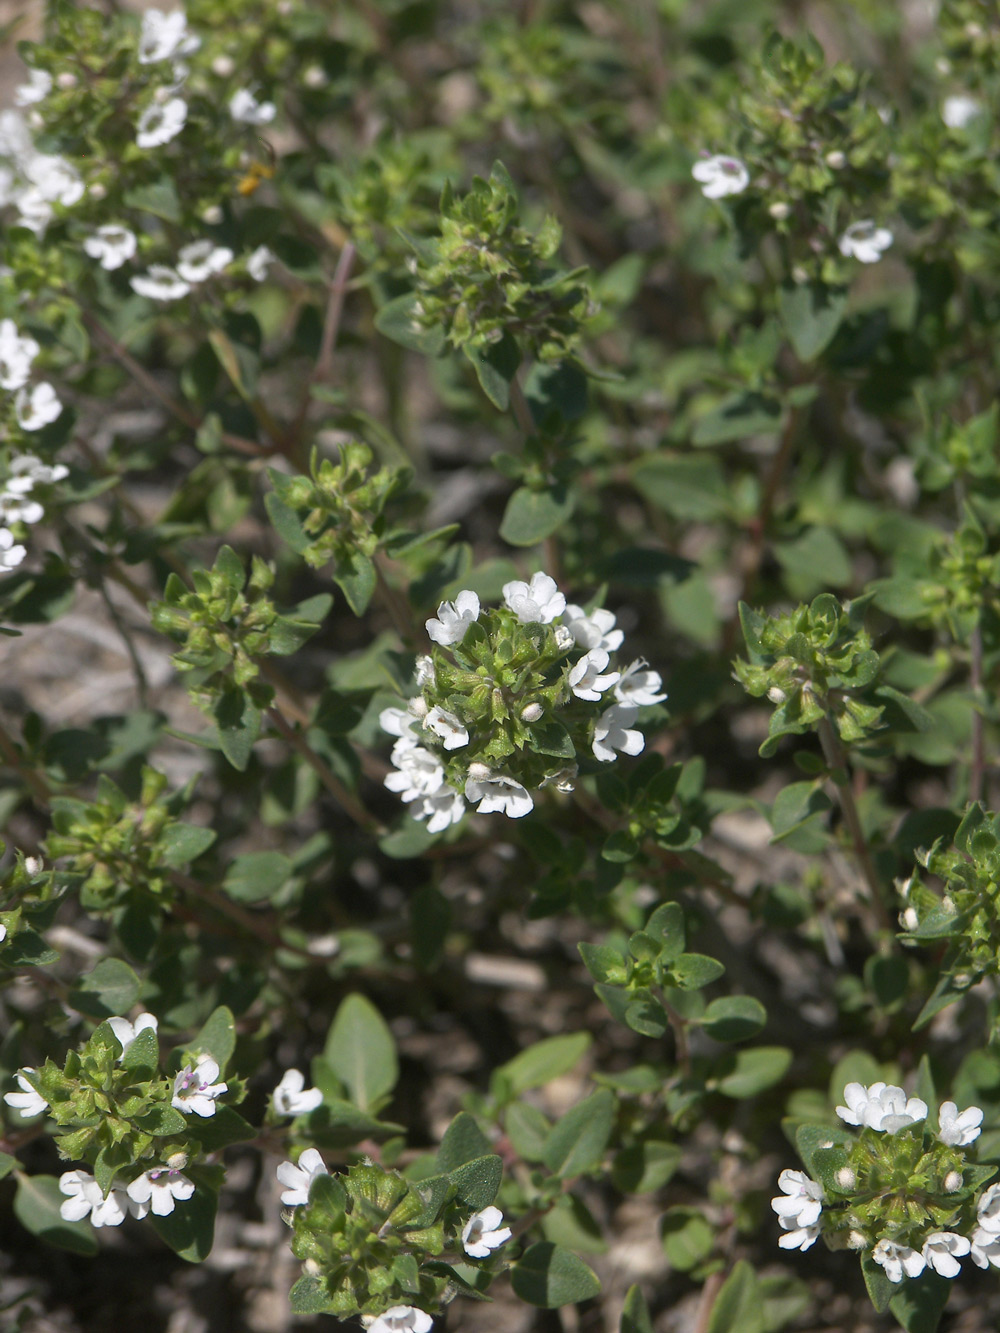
(965,576)
(815,663)
(118,850)
(371,1239)
(487,277)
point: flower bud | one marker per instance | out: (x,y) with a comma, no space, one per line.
(777,695)
(223,66)
(908,919)
(418,706)
(531,712)
(97,191)
(212,215)
(564,639)
(799,274)
(177,1161)
(66,80)
(479,772)
(33,865)
(953,1182)
(835,160)
(846,1179)
(779,210)
(315,77)
(856,1240)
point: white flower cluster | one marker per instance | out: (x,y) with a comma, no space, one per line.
(32,181)
(420,777)
(722,175)
(885,1108)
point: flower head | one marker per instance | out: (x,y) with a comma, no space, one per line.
(898,1259)
(11,555)
(112,245)
(158,1190)
(448,727)
(882,1106)
(160,123)
(865,242)
(537,602)
(28,1101)
(721,175)
(639,685)
(441,809)
(958,1131)
(801,1199)
(292,1097)
(496,793)
(259,262)
(195,1089)
(298,1178)
(419,772)
(988,1210)
(586,679)
(483,1233)
(86,1196)
(794,1237)
(942,1251)
(613,732)
(165,36)
(593,631)
(985,1248)
(37,88)
(16,355)
(200,259)
(37,407)
(402,1319)
(958,111)
(127,1032)
(245,108)
(160,284)
(453,619)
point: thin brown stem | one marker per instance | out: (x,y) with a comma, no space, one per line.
(331,327)
(836,758)
(344,798)
(519,407)
(977,766)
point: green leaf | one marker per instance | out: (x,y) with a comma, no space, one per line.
(577,1141)
(108,991)
(496,365)
(528,1129)
(160,198)
(645,1166)
(811,1140)
(734,1018)
(811,313)
(549,1276)
(544,1061)
(687,1237)
(238,721)
(880,1289)
(748,1073)
(398,320)
(257,876)
(7,1164)
(692,971)
(919,1302)
(463,1142)
(217,1037)
(603,962)
(361,1051)
(180,844)
(430,918)
(738,1307)
(667,925)
(687,486)
(220,1130)
(355,577)
(36,1206)
(142,1055)
(737,417)
(286,523)
(309,1296)
(476,1182)
(635,1313)
(162,1120)
(532,515)
(190,1229)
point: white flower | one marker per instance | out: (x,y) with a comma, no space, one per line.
(399,722)
(28,1101)
(942,1251)
(158,124)
(16,508)
(796,1237)
(957,111)
(639,685)
(292,1097)
(259,262)
(200,259)
(3,932)
(195,1089)
(160,284)
(594,631)
(158,1190)
(958,1131)
(127,1032)
(612,733)
(245,108)
(402,1319)
(298,1178)
(111,244)
(425,671)
(898,1259)
(985,1248)
(721,175)
(11,556)
(443,808)
(882,1106)
(16,355)
(419,772)
(586,680)
(453,619)
(55,180)
(448,727)
(86,1196)
(483,1233)
(988,1210)
(537,602)
(37,407)
(865,242)
(37,88)
(801,1200)
(34,210)
(164,36)
(497,793)
(27,471)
